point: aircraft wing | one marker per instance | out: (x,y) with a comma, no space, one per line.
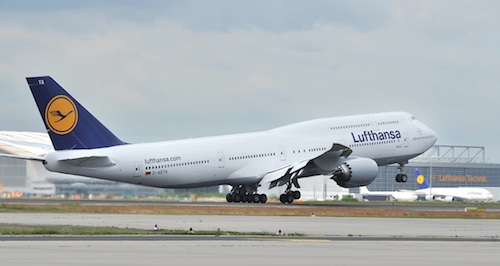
(324,164)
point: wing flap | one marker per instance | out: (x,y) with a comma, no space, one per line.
(320,165)
(286,173)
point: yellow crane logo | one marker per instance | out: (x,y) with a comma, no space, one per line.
(61,115)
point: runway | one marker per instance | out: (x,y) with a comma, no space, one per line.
(311,226)
(249,252)
(246,253)
(328,240)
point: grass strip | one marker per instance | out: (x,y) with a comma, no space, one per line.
(12,230)
(349,210)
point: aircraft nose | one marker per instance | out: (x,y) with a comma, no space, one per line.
(433,135)
(427,133)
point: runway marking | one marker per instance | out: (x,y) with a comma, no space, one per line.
(311,240)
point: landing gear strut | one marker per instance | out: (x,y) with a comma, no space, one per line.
(401,177)
(244,193)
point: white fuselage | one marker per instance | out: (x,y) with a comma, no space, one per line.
(456,194)
(246,158)
(390,195)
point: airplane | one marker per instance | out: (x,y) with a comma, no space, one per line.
(346,149)
(449,194)
(389,195)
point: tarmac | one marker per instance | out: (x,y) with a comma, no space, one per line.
(326,240)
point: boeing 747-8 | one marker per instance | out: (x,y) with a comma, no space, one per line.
(347,149)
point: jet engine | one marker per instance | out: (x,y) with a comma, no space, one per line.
(449,199)
(355,172)
(429,197)
(441,198)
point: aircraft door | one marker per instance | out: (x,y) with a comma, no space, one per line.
(220,158)
(137,171)
(282,153)
(373,123)
(406,141)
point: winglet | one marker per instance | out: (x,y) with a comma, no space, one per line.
(69,124)
(421,181)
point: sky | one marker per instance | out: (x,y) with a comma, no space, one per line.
(165,70)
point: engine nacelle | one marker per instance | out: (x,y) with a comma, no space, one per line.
(355,172)
(449,199)
(441,198)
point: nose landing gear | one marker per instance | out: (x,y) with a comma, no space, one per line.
(401,177)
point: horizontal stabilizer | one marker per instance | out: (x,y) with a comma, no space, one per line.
(91,161)
(31,158)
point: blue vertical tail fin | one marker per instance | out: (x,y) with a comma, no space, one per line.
(421,181)
(69,124)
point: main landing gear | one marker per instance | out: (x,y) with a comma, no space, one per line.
(248,194)
(401,177)
(289,195)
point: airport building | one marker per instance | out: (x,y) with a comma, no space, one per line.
(443,166)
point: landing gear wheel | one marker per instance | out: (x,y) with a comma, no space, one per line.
(255,198)
(296,194)
(237,198)
(245,193)
(287,197)
(401,178)
(262,198)
(283,198)
(247,198)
